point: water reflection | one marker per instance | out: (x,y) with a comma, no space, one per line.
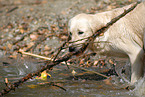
(62,77)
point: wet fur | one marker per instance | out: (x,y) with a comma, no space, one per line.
(125,38)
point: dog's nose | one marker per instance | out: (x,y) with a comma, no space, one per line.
(71,49)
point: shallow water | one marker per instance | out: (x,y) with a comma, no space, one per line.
(63,77)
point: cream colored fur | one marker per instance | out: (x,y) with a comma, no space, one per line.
(122,39)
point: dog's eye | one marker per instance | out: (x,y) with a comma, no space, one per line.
(80,32)
(70,33)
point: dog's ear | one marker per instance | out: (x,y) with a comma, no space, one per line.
(97,24)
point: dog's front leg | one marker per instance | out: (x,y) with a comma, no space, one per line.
(137,64)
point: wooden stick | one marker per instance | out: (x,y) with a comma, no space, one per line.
(46,58)
(34,55)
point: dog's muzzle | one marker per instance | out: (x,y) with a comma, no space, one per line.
(71,49)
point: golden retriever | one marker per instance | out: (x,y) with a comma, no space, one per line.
(125,38)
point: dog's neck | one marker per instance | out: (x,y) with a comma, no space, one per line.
(98,22)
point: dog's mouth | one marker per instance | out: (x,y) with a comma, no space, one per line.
(72,49)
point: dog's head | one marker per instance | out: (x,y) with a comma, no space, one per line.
(80,27)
